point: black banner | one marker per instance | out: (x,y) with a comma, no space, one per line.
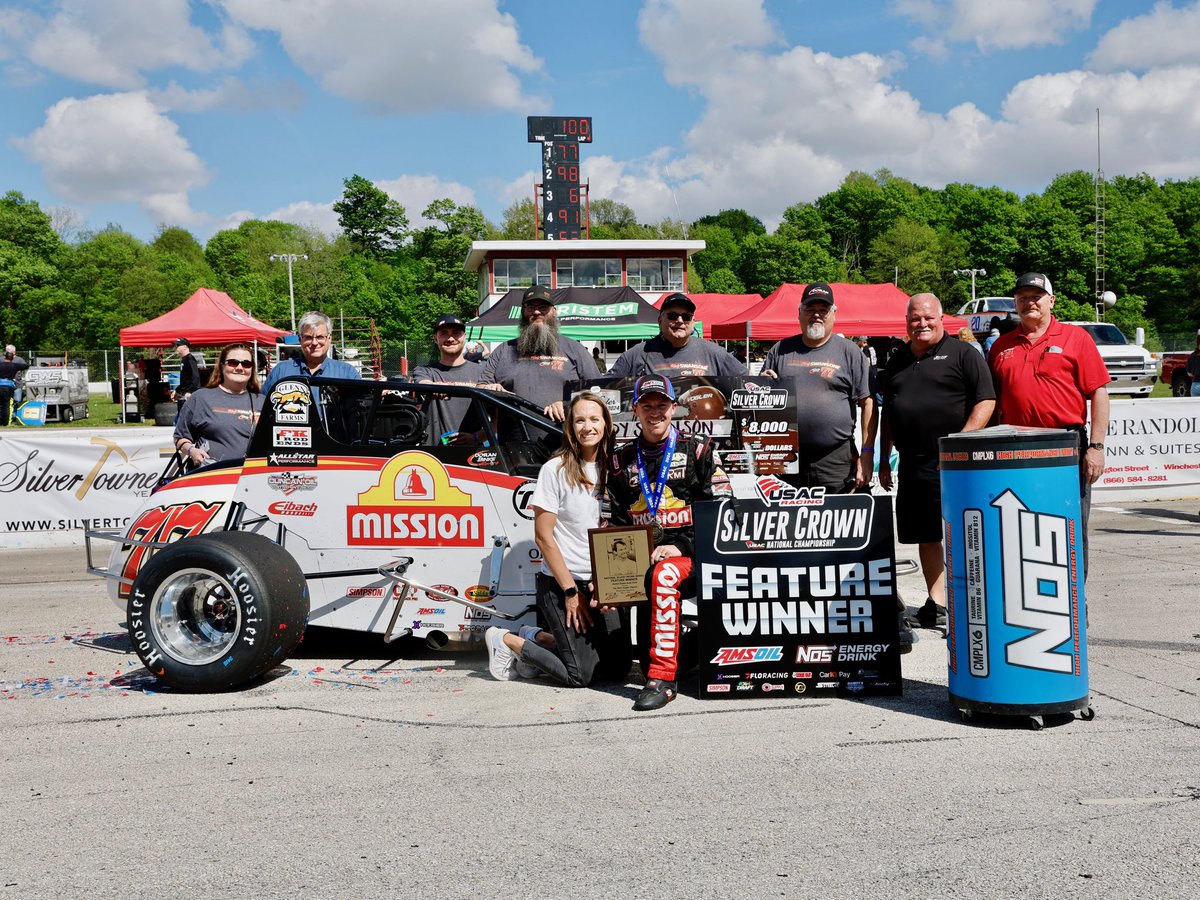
(797,594)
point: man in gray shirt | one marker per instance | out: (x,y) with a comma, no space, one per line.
(675,352)
(539,361)
(830,376)
(446,415)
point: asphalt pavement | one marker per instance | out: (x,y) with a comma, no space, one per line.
(350,773)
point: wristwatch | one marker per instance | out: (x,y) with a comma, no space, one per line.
(1096,446)
(571,592)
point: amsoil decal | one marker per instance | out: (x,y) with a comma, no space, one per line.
(163,523)
(291,402)
(736,656)
(291,437)
(289,508)
(414,504)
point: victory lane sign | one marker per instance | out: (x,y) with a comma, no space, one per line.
(797,595)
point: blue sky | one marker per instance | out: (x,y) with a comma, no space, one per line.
(204,113)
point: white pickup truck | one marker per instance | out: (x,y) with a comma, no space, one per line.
(1132,369)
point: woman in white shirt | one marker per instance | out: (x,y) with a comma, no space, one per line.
(566,503)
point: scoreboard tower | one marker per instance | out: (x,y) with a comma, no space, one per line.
(560,137)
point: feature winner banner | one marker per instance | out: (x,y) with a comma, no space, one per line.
(54,484)
(797,594)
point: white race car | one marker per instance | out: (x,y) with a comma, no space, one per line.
(345,513)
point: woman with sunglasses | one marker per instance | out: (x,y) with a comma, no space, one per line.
(675,352)
(217,421)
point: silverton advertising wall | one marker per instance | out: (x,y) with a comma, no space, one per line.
(54,484)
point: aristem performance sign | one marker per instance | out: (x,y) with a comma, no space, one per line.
(797,594)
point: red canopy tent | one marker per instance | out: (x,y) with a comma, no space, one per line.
(206,318)
(870,310)
(713,309)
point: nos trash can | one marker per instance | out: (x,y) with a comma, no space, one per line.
(1014,592)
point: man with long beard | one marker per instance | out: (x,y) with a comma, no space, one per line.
(538,361)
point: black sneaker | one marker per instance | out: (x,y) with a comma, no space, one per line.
(906,638)
(931,615)
(655,695)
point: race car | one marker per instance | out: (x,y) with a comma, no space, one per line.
(345,512)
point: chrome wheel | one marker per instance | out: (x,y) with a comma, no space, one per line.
(195,616)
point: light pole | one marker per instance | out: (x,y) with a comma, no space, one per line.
(972,273)
(290,258)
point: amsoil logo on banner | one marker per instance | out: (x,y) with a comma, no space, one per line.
(415,504)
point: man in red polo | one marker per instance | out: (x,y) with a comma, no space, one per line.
(1046,373)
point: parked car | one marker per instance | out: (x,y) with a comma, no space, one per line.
(1132,369)
(982,310)
(1173,371)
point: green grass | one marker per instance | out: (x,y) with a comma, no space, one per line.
(102,413)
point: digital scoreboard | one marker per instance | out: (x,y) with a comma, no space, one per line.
(560,137)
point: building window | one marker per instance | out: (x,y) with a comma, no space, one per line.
(518,273)
(655,274)
(589,273)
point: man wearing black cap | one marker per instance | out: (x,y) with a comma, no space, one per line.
(831,378)
(674,351)
(539,361)
(655,480)
(1046,374)
(446,414)
(189,372)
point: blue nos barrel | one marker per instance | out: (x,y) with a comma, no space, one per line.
(1016,625)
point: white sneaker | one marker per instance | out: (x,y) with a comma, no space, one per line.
(524,669)
(500,658)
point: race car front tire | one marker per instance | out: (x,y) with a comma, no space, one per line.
(211,612)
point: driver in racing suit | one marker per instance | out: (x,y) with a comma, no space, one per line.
(645,487)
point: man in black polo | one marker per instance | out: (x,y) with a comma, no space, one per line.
(934,386)
(675,352)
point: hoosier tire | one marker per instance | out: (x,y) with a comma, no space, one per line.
(216,610)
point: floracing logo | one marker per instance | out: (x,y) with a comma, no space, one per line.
(291,401)
(414,504)
(291,437)
(290,482)
(736,656)
(290,508)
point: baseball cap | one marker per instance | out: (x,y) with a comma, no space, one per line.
(1034,279)
(652,384)
(817,292)
(181,342)
(448,319)
(537,292)
(678,299)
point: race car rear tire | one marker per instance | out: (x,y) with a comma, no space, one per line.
(213,611)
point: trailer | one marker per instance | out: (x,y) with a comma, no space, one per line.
(64,389)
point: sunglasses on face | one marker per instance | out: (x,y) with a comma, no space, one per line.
(239,364)
(680,316)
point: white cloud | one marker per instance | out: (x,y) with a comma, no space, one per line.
(113,42)
(1165,36)
(1006,25)
(15,26)
(117,148)
(784,126)
(319,216)
(402,57)
(231,94)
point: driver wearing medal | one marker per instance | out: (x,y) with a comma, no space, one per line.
(655,480)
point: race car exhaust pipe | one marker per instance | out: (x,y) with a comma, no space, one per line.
(436,640)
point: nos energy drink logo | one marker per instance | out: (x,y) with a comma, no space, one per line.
(1039,593)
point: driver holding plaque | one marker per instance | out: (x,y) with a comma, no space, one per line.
(654,480)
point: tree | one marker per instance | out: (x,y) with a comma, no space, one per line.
(770,260)
(740,222)
(373,221)
(520,222)
(30,252)
(908,253)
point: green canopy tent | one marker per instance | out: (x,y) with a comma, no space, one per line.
(586,314)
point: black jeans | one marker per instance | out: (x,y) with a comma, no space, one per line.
(603,651)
